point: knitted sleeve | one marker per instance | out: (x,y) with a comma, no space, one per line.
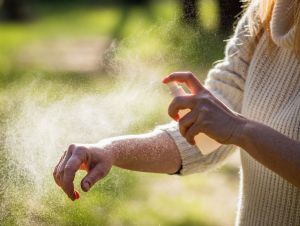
(226,81)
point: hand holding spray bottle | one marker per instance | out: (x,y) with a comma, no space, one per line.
(205,144)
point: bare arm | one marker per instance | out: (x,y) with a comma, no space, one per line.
(271,148)
(153,152)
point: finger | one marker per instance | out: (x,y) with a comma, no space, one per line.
(188,78)
(178,103)
(186,122)
(192,132)
(95,174)
(55,172)
(71,167)
(63,163)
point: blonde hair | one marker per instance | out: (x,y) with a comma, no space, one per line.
(265,14)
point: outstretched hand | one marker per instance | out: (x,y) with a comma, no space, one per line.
(208,114)
(96,161)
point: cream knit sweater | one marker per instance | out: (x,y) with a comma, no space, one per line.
(263,84)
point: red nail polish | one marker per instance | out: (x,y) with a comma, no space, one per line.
(77,195)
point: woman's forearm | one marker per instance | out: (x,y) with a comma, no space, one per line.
(153,152)
(271,148)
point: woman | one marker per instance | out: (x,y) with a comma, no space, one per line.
(260,79)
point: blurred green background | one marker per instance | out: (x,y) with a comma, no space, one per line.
(69,64)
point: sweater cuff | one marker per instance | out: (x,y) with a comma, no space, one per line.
(189,153)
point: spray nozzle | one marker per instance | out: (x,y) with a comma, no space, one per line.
(175,89)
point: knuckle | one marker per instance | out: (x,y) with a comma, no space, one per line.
(170,111)
(172,75)
(177,99)
(192,116)
(199,99)
(68,168)
(60,171)
(58,176)
(189,74)
(204,99)
(71,147)
(79,150)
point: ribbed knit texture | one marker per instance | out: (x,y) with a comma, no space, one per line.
(281,24)
(262,84)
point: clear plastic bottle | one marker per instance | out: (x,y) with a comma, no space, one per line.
(204,143)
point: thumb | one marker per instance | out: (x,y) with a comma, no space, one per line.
(95,174)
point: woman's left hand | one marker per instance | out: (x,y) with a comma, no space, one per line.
(208,114)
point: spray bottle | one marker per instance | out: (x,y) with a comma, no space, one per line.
(204,143)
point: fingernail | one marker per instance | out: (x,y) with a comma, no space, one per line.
(164,80)
(77,195)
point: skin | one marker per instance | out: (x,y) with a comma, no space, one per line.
(153,152)
(157,152)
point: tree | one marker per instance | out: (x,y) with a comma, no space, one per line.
(229,9)
(15,10)
(190,12)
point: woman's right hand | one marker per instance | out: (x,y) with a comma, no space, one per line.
(95,159)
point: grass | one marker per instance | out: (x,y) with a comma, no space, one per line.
(123,198)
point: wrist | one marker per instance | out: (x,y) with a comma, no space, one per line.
(106,147)
(239,135)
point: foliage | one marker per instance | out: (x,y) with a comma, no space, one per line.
(147,39)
